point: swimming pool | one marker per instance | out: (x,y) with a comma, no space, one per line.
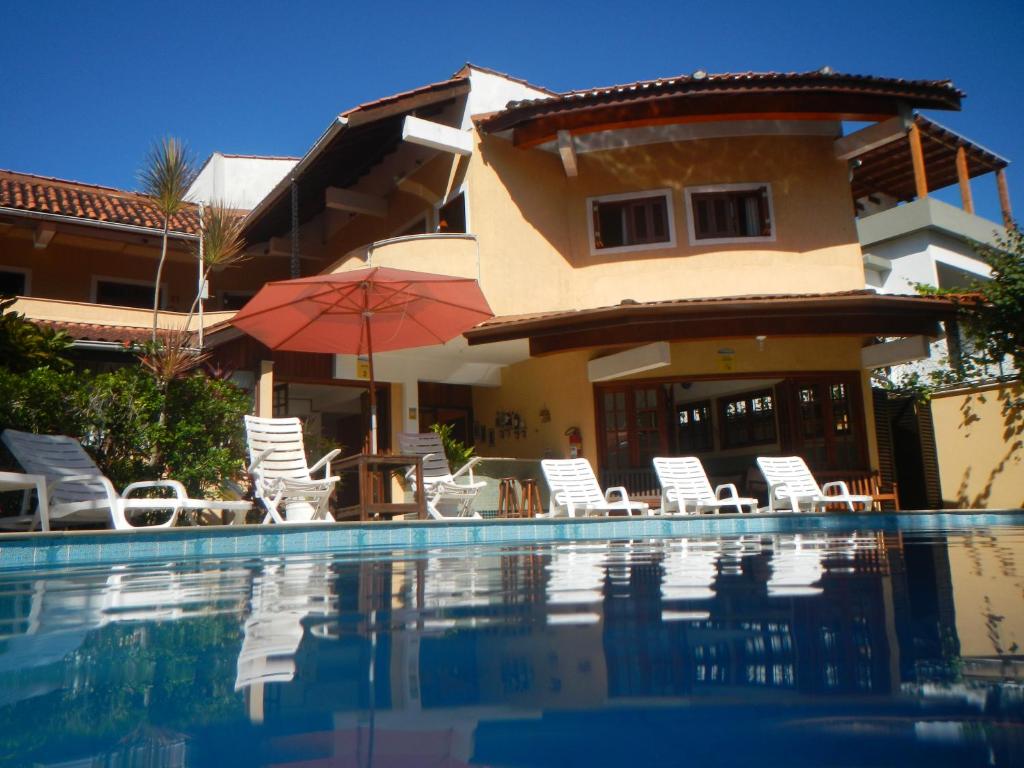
(877,641)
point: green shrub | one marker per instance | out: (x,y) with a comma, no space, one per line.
(116,416)
(457,452)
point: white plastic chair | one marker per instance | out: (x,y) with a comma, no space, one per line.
(792,486)
(443,493)
(283,481)
(77,491)
(574,490)
(684,484)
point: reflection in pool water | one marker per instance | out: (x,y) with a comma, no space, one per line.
(866,648)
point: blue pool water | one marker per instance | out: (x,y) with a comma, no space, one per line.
(894,645)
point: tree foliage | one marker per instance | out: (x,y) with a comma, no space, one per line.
(996,324)
(168,173)
(116,416)
(457,452)
(25,345)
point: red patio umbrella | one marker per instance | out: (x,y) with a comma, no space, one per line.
(374,309)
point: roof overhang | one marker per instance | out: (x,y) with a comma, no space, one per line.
(354,142)
(853,313)
(701,97)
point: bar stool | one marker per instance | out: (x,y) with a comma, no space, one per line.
(508,503)
(530,503)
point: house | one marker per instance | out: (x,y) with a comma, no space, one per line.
(82,258)
(674,265)
(957,450)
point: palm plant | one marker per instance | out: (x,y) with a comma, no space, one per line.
(166,177)
(222,245)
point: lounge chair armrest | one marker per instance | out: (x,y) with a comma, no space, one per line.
(260,458)
(561,499)
(619,489)
(325,461)
(179,489)
(775,488)
(474,486)
(468,467)
(840,484)
(410,473)
(734,493)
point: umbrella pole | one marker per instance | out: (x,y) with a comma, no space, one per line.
(373,387)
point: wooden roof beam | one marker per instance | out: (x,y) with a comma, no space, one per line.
(347,200)
(43,234)
(567,151)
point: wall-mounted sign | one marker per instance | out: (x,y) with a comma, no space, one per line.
(363,368)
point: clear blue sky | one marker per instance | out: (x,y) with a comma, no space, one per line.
(89,86)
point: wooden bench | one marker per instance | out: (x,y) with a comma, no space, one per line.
(865,483)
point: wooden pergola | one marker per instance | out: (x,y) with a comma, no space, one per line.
(926,156)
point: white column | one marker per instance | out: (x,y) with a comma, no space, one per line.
(410,405)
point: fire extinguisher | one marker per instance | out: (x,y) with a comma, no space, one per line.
(575,442)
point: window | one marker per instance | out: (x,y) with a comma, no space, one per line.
(13,282)
(748,419)
(126,294)
(730,212)
(637,221)
(451,217)
(693,426)
(235,300)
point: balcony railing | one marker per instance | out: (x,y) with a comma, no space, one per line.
(443,252)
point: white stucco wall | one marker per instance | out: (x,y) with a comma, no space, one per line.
(491,93)
(921,246)
(238,181)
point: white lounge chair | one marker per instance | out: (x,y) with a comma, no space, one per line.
(283,481)
(792,486)
(685,485)
(575,491)
(76,490)
(445,496)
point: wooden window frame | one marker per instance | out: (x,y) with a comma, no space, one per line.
(97,279)
(722,403)
(462,189)
(25,273)
(725,189)
(235,294)
(664,193)
(632,429)
(709,431)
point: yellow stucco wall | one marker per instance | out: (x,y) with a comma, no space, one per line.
(980,449)
(558,383)
(535,249)
(532,222)
(986,595)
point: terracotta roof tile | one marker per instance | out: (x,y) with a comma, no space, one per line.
(47,195)
(727,82)
(746,299)
(94,332)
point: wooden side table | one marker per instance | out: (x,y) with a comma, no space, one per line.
(369,469)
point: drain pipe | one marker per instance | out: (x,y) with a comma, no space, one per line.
(295,272)
(202,281)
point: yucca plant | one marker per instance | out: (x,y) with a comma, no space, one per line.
(222,245)
(166,177)
(168,359)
